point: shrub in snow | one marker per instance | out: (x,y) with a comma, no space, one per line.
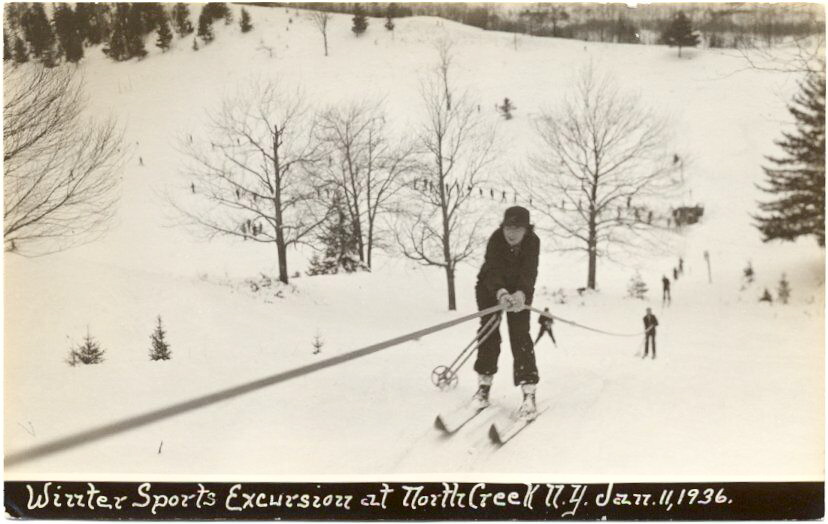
(360,22)
(160,349)
(318,343)
(783,292)
(637,288)
(245,21)
(559,296)
(766,297)
(89,352)
(507,108)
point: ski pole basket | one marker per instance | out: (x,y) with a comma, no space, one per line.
(445,377)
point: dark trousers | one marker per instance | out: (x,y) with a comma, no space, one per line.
(524,369)
(544,329)
(665,295)
(650,336)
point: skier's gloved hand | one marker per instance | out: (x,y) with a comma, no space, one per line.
(518,301)
(504,298)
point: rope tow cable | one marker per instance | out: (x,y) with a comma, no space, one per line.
(127,424)
(570,322)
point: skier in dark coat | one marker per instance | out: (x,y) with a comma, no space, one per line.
(665,290)
(507,277)
(545,327)
(650,323)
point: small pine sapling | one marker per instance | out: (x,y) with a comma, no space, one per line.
(766,297)
(318,343)
(87,353)
(637,288)
(507,108)
(160,349)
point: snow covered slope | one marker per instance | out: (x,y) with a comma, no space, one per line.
(736,391)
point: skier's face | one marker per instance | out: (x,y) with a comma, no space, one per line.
(514,234)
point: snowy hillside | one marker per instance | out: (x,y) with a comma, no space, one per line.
(736,392)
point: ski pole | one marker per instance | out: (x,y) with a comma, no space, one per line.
(445,377)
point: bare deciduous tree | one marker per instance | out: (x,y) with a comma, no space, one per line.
(601,162)
(802,54)
(253,175)
(320,19)
(60,170)
(365,165)
(440,228)
(444,47)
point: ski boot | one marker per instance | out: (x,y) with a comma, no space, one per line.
(480,400)
(528,409)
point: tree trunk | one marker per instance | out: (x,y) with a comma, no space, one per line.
(592,266)
(370,241)
(281,250)
(281,246)
(452,298)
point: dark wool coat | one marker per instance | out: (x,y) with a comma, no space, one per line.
(510,268)
(650,320)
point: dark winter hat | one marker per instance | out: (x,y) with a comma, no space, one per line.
(516,216)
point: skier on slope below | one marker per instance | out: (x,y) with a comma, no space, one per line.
(508,278)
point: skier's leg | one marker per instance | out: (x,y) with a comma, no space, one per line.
(489,349)
(646,345)
(540,334)
(553,337)
(525,369)
(653,345)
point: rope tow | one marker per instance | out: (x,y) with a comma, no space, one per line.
(121,426)
(572,323)
(445,375)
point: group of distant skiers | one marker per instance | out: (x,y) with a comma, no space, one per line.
(665,282)
(507,277)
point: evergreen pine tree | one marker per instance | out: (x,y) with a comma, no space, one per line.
(160,349)
(67,32)
(766,297)
(135,31)
(245,21)
(181,20)
(680,33)
(360,21)
(39,35)
(205,26)
(89,352)
(84,14)
(391,12)
(215,10)
(797,179)
(507,108)
(21,55)
(783,292)
(164,35)
(152,14)
(117,47)
(637,288)
(340,242)
(99,23)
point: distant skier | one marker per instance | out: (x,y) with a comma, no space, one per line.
(675,274)
(545,327)
(507,277)
(650,323)
(665,290)
(681,266)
